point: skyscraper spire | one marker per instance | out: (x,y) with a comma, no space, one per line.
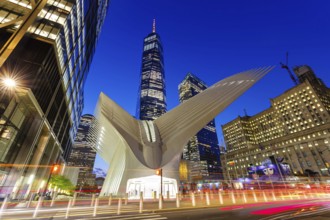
(152,94)
(154,26)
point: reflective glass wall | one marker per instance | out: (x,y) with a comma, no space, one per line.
(51,61)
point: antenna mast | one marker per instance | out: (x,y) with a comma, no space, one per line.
(154,26)
(245,113)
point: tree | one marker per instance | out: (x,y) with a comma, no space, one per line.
(61,182)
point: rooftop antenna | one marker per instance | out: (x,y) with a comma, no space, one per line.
(154,26)
(285,66)
(245,113)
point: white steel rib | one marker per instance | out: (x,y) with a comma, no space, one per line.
(156,143)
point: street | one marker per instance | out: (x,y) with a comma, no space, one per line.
(311,208)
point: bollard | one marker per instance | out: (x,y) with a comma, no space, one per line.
(311,195)
(95,206)
(93,198)
(255,196)
(178,200)
(207,198)
(110,199)
(264,194)
(220,197)
(282,196)
(244,197)
(325,195)
(305,196)
(119,207)
(233,197)
(290,195)
(160,204)
(274,197)
(68,209)
(154,195)
(141,203)
(201,195)
(3,206)
(193,202)
(211,195)
(35,213)
(74,199)
(167,194)
(126,198)
(317,194)
(53,199)
(30,200)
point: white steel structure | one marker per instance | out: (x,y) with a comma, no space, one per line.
(135,148)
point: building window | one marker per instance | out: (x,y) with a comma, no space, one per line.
(309,163)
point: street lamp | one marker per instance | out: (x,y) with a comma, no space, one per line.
(9,83)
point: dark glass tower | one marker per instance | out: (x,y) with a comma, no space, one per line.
(202,150)
(82,154)
(152,94)
(47,47)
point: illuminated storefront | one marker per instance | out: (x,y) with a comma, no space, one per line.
(150,186)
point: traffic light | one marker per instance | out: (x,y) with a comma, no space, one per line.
(159,172)
(55,168)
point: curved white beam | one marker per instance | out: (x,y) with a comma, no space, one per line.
(156,143)
(180,124)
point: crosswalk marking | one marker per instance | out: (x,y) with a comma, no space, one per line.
(127,217)
(106,210)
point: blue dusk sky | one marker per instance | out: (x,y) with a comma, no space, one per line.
(212,39)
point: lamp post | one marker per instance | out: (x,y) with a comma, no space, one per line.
(8,84)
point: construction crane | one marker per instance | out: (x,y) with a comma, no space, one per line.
(288,69)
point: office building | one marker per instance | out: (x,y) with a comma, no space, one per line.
(48,55)
(152,92)
(83,154)
(202,150)
(294,130)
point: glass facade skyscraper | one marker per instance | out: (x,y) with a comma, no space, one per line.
(82,154)
(152,94)
(49,53)
(202,151)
